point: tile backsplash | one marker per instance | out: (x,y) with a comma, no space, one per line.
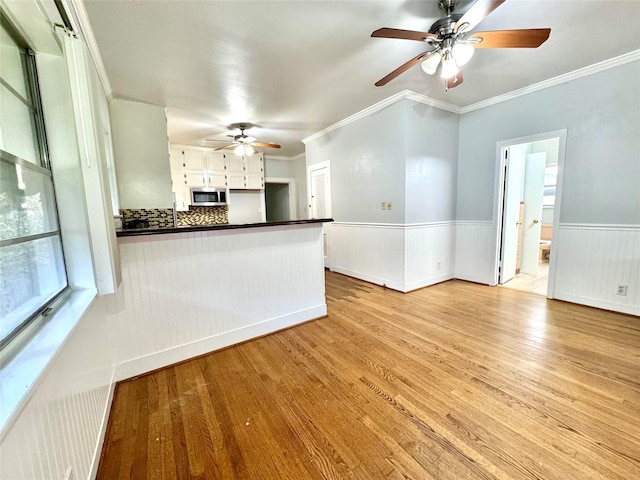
(163,217)
(203,216)
(155,217)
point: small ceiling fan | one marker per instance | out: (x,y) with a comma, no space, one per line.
(243,144)
(452,43)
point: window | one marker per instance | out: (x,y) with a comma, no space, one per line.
(32,270)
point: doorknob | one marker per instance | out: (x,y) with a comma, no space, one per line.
(535,220)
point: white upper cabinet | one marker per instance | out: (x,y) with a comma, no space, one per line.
(236,164)
(216,161)
(175,157)
(255,165)
(193,159)
(206,167)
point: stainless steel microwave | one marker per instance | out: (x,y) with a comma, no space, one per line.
(208,197)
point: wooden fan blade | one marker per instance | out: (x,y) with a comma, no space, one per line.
(478,12)
(455,80)
(402,34)
(527,38)
(225,147)
(402,68)
(265,144)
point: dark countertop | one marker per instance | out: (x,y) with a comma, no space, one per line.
(221,226)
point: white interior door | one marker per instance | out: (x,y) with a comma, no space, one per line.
(320,200)
(533,192)
(511,212)
(319,193)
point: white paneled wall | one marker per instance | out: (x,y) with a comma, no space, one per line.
(186,294)
(402,257)
(593,261)
(371,252)
(475,251)
(62,423)
(429,254)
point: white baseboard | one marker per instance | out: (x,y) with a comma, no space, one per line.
(594,302)
(163,358)
(370,278)
(430,281)
(95,461)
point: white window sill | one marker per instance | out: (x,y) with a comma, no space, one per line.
(19,376)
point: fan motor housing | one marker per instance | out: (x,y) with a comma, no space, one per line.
(444,26)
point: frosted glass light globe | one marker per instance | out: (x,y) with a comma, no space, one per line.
(430,65)
(462,53)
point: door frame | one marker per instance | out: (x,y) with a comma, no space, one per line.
(312,168)
(325,226)
(293,194)
(498,197)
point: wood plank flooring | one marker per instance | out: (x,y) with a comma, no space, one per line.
(454,381)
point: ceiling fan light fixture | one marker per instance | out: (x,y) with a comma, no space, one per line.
(243,150)
(462,53)
(449,67)
(430,64)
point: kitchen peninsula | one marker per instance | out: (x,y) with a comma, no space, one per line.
(190,290)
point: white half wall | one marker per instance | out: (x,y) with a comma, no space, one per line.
(187,294)
(593,261)
(401,257)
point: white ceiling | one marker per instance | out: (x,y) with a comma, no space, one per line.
(295,67)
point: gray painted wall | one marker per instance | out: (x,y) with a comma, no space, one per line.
(406,154)
(431,163)
(141,152)
(367,160)
(601,112)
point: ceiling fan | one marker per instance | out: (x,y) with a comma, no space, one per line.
(452,43)
(244,144)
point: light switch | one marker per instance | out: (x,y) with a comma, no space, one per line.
(388,205)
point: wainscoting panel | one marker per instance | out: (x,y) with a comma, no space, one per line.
(475,251)
(593,260)
(402,257)
(371,252)
(429,254)
(61,426)
(186,294)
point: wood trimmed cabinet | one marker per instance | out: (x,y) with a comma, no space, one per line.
(205,167)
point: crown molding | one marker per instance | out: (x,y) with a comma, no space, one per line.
(376,107)
(551,82)
(418,97)
(78,14)
(288,159)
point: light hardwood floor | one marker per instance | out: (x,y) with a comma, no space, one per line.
(526,282)
(454,381)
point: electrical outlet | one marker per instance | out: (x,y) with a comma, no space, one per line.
(439,265)
(388,205)
(383,205)
(622,290)
(68,475)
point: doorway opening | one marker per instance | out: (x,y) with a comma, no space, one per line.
(280,199)
(528,211)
